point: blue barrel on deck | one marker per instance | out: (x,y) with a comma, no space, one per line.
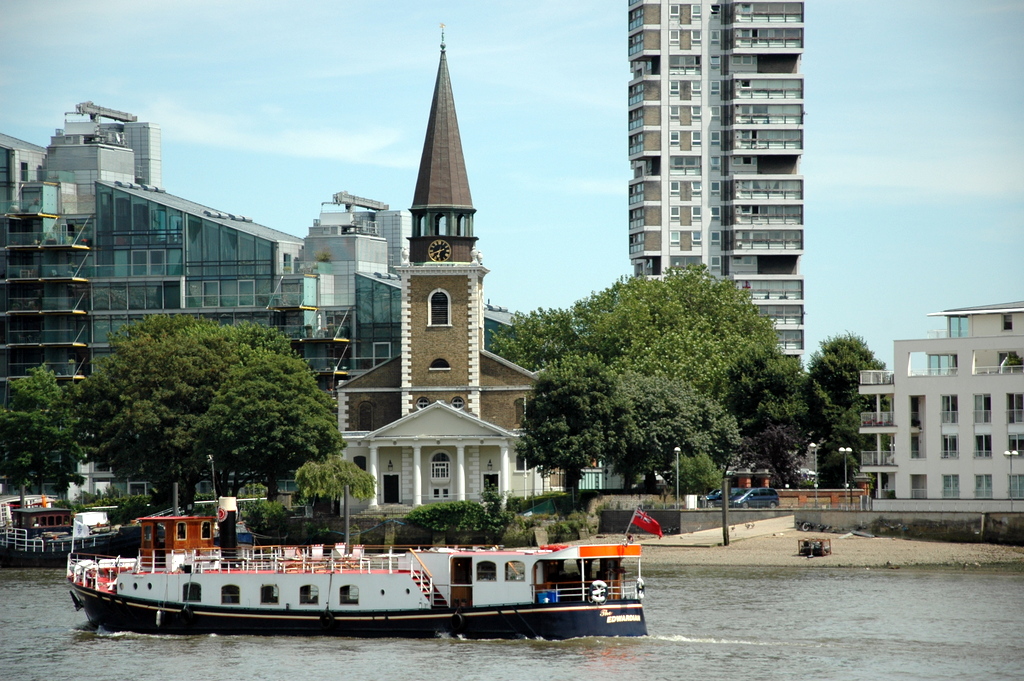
(547,596)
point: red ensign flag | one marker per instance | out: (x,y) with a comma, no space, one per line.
(646,523)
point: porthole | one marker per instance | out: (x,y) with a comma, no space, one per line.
(135,586)
(382,592)
(149,585)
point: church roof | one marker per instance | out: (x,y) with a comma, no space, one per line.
(442,179)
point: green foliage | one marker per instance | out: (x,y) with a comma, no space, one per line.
(497,515)
(664,414)
(688,326)
(834,403)
(266,517)
(37,442)
(129,508)
(698,474)
(574,418)
(178,388)
(765,387)
(327,479)
(448,515)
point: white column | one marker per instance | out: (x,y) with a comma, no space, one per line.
(503,483)
(460,472)
(417,477)
(373,472)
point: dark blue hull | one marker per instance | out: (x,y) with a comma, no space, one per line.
(552,621)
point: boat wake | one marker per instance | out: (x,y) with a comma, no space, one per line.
(735,642)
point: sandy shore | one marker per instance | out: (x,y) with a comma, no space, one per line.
(781,550)
(775,542)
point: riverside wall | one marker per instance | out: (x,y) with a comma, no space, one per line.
(967,527)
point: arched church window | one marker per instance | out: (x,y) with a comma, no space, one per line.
(439,309)
(440,364)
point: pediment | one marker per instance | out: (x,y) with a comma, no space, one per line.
(439,420)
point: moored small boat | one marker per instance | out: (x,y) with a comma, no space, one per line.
(182,584)
(43,536)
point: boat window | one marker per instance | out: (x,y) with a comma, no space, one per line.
(181,531)
(230,594)
(309,594)
(268,593)
(348,594)
(147,533)
(486,571)
(207,527)
(515,571)
(192,592)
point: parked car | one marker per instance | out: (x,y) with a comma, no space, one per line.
(756,497)
(715,498)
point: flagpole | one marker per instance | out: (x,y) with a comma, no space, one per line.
(630,524)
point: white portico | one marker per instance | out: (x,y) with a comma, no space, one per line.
(438,453)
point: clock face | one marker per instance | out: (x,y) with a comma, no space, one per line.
(439,250)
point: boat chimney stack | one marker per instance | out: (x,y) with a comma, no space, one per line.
(227,517)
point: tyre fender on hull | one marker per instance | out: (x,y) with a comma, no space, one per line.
(327,620)
(458,622)
(187,616)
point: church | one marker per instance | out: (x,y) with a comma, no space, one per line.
(439,422)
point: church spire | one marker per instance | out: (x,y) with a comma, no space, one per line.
(442,205)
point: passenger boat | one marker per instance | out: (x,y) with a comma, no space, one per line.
(43,536)
(182,584)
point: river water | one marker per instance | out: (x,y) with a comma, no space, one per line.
(704,623)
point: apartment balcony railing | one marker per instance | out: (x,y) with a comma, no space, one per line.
(1015,415)
(49,337)
(1012,370)
(950,454)
(769,144)
(982,453)
(60,369)
(51,238)
(949,416)
(762,18)
(768,220)
(933,371)
(768,42)
(951,494)
(982,416)
(876,419)
(791,195)
(877,377)
(49,304)
(918,494)
(768,245)
(766,119)
(769,93)
(324,365)
(880,458)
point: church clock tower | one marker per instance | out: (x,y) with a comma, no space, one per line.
(442,282)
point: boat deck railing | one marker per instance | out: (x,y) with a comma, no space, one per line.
(278,559)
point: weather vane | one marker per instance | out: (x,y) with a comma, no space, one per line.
(442,36)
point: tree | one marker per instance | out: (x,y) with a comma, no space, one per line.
(574,418)
(834,404)
(327,479)
(698,474)
(37,442)
(266,419)
(688,326)
(777,448)
(664,414)
(146,410)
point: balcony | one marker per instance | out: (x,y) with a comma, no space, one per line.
(1015,415)
(881,458)
(67,304)
(877,378)
(49,337)
(876,419)
(1008,370)
(949,417)
(934,371)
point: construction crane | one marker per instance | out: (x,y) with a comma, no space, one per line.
(93,112)
(347,200)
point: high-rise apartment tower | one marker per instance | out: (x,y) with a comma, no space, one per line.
(715,139)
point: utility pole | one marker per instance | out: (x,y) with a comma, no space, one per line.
(726,493)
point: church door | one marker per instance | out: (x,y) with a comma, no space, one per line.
(392,493)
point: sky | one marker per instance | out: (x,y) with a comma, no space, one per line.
(913,161)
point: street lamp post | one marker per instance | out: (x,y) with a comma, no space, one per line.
(677,450)
(846,451)
(1009,486)
(814,452)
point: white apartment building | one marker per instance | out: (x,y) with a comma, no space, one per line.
(948,420)
(715,140)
